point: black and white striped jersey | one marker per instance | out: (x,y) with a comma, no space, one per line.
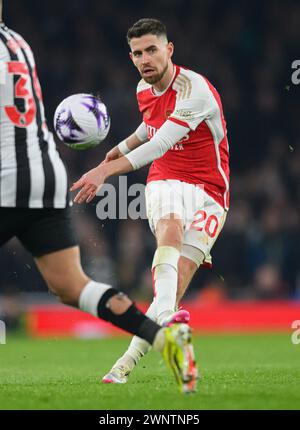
(32,174)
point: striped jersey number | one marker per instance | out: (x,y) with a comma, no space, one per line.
(210,224)
(23,119)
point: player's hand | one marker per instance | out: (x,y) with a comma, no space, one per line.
(89,183)
(113,154)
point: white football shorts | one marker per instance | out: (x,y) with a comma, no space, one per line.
(203,218)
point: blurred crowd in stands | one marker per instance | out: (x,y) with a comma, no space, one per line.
(246,50)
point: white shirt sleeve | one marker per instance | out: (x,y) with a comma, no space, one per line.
(141,132)
(194,100)
(163,140)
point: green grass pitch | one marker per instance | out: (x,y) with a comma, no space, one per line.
(257,371)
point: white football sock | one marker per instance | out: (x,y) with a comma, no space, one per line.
(91,295)
(165,267)
(138,347)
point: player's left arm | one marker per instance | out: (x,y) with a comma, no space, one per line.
(136,139)
(188,113)
(166,137)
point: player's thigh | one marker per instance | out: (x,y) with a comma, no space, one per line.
(47,231)
(204,226)
(165,211)
(62,270)
(52,241)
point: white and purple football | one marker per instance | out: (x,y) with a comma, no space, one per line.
(81,121)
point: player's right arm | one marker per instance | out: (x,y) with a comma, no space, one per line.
(127,145)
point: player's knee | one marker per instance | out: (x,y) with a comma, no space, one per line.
(67,293)
(170,232)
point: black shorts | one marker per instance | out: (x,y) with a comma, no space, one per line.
(41,231)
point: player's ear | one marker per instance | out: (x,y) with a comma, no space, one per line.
(170,48)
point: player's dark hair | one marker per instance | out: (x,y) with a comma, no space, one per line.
(146,26)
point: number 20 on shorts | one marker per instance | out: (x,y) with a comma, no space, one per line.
(208,224)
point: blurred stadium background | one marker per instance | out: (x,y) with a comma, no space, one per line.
(246,49)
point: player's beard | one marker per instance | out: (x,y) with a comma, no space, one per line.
(155,78)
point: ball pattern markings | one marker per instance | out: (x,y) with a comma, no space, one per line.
(95,107)
(70,124)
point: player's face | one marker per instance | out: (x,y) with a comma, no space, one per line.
(151,55)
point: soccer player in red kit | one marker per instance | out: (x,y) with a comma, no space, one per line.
(183,135)
(35,208)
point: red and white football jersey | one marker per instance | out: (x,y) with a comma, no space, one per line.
(202,156)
